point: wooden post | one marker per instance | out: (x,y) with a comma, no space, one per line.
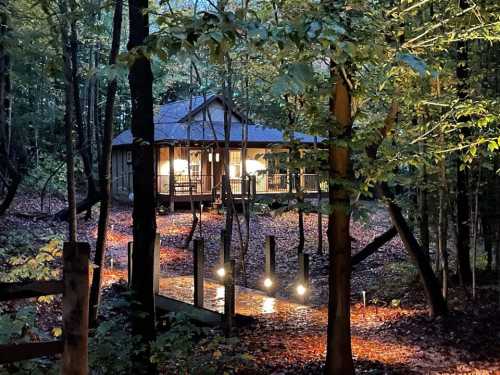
(171,177)
(199,263)
(225,248)
(253,187)
(303,274)
(229,298)
(156,265)
(270,264)
(130,250)
(75,308)
(304,269)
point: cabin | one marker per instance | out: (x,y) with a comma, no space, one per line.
(189,138)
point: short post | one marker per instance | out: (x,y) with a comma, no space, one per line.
(303,280)
(156,265)
(75,307)
(130,251)
(199,263)
(229,298)
(270,265)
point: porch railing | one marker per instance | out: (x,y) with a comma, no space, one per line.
(265,183)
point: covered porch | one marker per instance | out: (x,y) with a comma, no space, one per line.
(198,171)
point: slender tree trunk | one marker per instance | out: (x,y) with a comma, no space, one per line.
(430,282)
(339,353)
(318,189)
(83,144)
(144,219)
(443,226)
(8,165)
(462,198)
(105,178)
(423,212)
(373,246)
(69,120)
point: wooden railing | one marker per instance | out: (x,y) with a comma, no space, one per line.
(265,183)
(75,288)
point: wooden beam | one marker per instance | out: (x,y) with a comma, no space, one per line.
(25,351)
(130,251)
(198,314)
(28,289)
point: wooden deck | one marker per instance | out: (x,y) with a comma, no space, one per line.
(249,302)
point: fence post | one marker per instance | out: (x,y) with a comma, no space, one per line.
(270,264)
(229,298)
(75,308)
(156,265)
(224,189)
(130,251)
(303,285)
(199,263)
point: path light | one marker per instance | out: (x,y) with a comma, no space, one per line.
(301,290)
(268,283)
(364,298)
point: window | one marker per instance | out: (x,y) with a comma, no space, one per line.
(195,156)
(234,163)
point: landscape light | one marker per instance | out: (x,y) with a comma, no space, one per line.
(268,283)
(221,272)
(301,290)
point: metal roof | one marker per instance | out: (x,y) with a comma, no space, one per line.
(170,126)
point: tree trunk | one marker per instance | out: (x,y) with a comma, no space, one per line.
(5,117)
(339,352)
(143,155)
(462,199)
(373,246)
(320,213)
(430,282)
(68,120)
(83,144)
(431,285)
(105,178)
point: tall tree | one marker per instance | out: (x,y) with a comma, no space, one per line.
(462,198)
(144,219)
(69,118)
(105,178)
(339,352)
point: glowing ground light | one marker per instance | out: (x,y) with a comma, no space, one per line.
(268,305)
(301,290)
(221,272)
(268,283)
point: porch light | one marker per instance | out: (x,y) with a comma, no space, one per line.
(210,157)
(221,272)
(301,290)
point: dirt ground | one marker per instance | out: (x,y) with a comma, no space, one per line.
(392,334)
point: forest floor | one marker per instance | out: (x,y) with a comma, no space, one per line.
(392,334)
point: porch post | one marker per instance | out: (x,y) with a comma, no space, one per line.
(212,168)
(171,177)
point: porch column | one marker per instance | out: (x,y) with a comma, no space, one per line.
(212,168)
(171,177)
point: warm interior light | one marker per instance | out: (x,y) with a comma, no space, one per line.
(268,282)
(301,290)
(221,272)
(180,166)
(254,166)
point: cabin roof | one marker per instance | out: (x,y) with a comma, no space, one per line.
(172,125)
